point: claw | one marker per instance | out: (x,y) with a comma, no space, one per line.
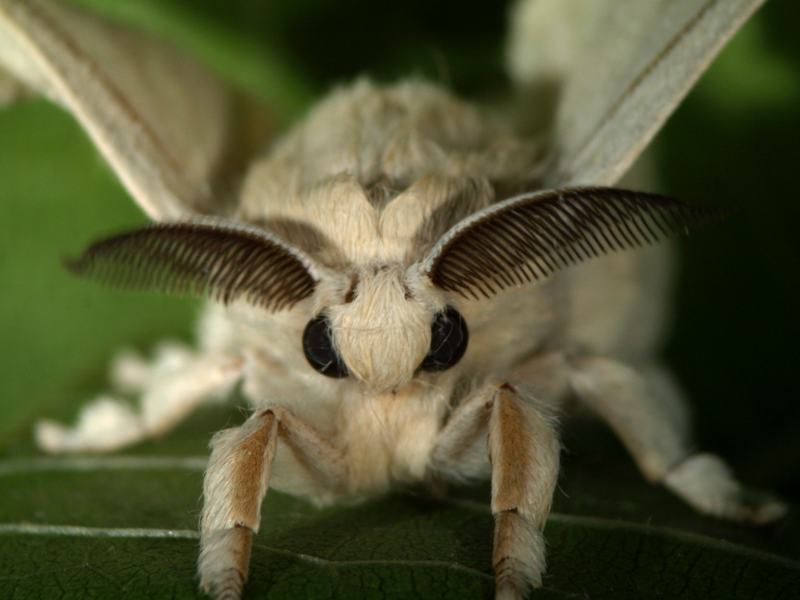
(708,484)
(103,426)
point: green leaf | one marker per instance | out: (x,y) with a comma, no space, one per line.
(101,525)
(97,526)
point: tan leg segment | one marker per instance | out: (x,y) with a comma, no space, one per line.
(521,446)
(236,482)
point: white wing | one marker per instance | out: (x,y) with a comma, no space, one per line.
(163,123)
(618,69)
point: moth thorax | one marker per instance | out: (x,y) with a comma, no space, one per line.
(383,334)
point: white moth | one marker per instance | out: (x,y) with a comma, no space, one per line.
(388,282)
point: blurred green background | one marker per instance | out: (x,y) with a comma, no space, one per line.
(733,142)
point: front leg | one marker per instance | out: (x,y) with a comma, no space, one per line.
(502,430)
(236,482)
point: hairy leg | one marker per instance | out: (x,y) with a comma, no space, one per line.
(169,388)
(647,412)
(498,429)
(236,482)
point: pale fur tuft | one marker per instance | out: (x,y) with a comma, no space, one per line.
(384,333)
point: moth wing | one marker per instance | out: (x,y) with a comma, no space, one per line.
(164,124)
(11,89)
(617,69)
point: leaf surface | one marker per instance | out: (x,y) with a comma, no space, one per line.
(101,526)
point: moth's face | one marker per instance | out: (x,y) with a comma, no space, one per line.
(383,335)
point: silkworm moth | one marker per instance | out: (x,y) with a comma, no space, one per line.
(405,286)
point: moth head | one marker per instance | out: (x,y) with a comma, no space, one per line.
(385,332)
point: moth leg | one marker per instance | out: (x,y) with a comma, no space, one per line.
(498,429)
(169,388)
(648,413)
(236,482)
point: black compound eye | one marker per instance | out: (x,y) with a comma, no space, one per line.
(449,339)
(319,350)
